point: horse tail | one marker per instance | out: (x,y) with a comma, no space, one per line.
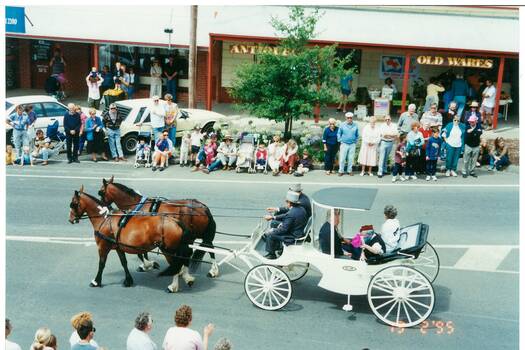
(207,241)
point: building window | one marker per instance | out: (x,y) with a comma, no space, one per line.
(181,59)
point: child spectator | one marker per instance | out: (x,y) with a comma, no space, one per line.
(142,148)
(484,153)
(41,149)
(26,158)
(261,156)
(209,152)
(399,159)
(10,155)
(185,149)
(196,140)
(305,165)
(433,150)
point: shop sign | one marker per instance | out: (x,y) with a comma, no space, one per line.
(449,61)
(15,19)
(252,49)
(394,67)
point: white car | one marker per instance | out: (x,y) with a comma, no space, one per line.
(48,110)
(136,111)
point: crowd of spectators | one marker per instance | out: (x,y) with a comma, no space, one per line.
(179,336)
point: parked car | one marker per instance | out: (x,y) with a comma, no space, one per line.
(136,111)
(47,109)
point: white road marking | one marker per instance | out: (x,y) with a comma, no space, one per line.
(268,182)
(468,246)
(482,258)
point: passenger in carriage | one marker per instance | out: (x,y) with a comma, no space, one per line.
(374,246)
(325,237)
(391,229)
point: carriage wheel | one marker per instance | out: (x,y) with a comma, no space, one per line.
(268,287)
(427,262)
(401,296)
(296,271)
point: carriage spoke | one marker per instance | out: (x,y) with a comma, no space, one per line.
(255,284)
(383,290)
(255,290)
(264,298)
(385,304)
(279,294)
(281,283)
(381,297)
(258,295)
(420,296)
(418,303)
(413,309)
(386,286)
(281,289)
(391,308)
(387,281)
(270,295)
(398,312)
(406,312)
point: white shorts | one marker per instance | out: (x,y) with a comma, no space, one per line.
(486,109)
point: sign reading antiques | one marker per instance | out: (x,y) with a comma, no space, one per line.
(252,49)
(456,61)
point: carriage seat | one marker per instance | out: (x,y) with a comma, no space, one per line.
(306,236)
(411,241)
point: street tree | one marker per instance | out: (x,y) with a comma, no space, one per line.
(287,82)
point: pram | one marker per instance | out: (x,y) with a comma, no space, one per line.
(52,87)
(143,152)
(246,154)
(111,96)
(260,165)
(57,139)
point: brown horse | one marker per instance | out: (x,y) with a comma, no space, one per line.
(193,214)
(141,234)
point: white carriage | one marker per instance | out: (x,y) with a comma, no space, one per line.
(398,285)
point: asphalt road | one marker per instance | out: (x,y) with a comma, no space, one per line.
(473,223)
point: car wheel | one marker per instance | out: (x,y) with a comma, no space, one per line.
(129,143)
(208,127)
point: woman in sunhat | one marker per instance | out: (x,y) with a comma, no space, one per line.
(472,112)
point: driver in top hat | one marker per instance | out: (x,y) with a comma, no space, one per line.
(291,225)
(304,201)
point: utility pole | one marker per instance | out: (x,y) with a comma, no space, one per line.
(193,59)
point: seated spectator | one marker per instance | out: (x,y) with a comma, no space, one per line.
(163,150)
(43,339)
(76,321)
(86,332)
(226,156)
(223,344)
(182,337)
(304,165)
(9,345)
(207,153)
(499,158)
(289,157)
(10,155)
(42,145)
(94,131)
(391,229)
(26,158)
(275,152)
(138,338)
(484,153)
(261,157)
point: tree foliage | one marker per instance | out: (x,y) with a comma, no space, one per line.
(287,86)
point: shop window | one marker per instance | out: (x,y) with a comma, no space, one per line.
(126,55)
(106,56)
(145,59)
(181,59)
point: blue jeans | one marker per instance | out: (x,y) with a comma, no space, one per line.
(114,143)
(130,91)
(460,101)
(329,156)
(217,164)
(398,169)
(503,162)
(451,163)
(346,154)
(43,153)
(157,132)
(172,132)
(20,138)
(431,167)
(385,148)
(171,87)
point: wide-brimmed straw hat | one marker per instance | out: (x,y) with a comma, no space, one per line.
(474,104)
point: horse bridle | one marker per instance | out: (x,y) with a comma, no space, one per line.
(75,207)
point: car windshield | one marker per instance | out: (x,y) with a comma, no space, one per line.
(7,105)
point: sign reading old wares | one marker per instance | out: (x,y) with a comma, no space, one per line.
(455,61)
(252,49)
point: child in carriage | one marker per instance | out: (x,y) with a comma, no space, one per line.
(185,149)
(261,157)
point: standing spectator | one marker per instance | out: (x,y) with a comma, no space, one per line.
(472,141)
(473,112)
(132,80)
(20,122)
(43,339)
(499,158)
(460,92)
(9,345)
(170,72)
(426,131)
(368,151)
(347,136)
(389,84)
(58,69)
(432,93)
(107,80)
(406,119)
(432,151)
(72,126)
(158,117)
(453,135)
(82,135)
(450,114)
(156,79)
(41,149)
(86,333)
(118,74)
(484,153)
(388,133)
(275,152)
(399,159)
(163,149)
(433,117)
(138,338)
(182,337)
(124,79)
(94,84)
(415,142)
(289,157)
(112,122)
(94,131)
(487,105)
(346,90)
(172,110)
(330,145)
(76,322)
(31,127)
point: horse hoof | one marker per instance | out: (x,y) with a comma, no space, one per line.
(94,284)
(190,283)
(156,265)
(210,275)
(169,291)
(128,284)
(140,269)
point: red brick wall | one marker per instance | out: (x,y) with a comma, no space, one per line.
(24,63)
(202,75)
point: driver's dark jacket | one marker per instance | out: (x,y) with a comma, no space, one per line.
(108,123)
(292,223)
(304,202)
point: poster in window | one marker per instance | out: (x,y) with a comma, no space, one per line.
(394,67)
(41,50)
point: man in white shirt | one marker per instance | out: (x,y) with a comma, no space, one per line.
(138,338)
(181,337)
(406,119)
(388,132)
(489,101)
(157,115)
(391,228)
(9,345)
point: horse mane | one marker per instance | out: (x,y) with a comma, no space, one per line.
(98,201)
(125,189)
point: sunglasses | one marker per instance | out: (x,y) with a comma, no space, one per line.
(113,108)
(164,134)
(156,101)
